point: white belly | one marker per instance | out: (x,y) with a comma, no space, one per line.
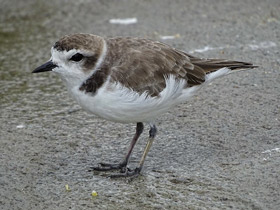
(117,103)
(120,104)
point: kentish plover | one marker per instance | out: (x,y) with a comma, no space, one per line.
(131,80)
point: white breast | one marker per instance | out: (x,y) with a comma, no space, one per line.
(117,103)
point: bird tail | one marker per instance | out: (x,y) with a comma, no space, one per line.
(211,65)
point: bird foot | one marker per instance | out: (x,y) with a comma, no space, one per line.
(109,167)
(124,171)
(128,173)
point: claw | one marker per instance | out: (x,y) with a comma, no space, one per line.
(128,173)
(109,167)
(107,164)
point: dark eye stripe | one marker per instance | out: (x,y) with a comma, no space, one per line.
(77,57)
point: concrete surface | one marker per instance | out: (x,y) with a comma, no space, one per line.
(219,151)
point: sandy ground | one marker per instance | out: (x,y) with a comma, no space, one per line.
(219,151)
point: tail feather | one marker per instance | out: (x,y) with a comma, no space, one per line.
(211,65)
(208,69)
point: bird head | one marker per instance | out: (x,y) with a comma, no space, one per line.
(74,57)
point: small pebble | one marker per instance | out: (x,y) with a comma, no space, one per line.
(94,193)
(67,187)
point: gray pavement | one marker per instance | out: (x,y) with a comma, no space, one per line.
(218,151)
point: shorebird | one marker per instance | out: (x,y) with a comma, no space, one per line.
(131,80)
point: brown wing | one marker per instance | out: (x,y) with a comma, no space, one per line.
(142,64)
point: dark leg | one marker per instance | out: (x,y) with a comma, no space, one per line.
(139,130)
(123,164)
(136,171)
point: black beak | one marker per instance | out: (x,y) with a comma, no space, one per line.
(45,67)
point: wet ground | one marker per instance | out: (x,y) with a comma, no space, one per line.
(219,151)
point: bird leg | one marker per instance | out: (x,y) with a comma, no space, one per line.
(123,164)
(136,171)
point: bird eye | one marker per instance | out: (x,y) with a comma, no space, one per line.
(77,57)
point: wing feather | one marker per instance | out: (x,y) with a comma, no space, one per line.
(144,64)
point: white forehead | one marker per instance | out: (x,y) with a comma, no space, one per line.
(63,56)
